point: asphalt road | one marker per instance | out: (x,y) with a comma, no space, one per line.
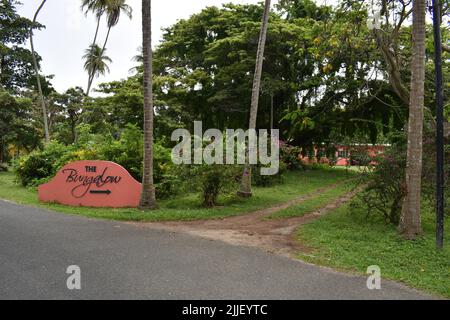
(122,261)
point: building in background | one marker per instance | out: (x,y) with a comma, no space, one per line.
(344,155)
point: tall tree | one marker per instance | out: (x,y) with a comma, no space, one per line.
(16,124)
(38,78)
(70,104)
(16,62)
(246,185)
(410,222)
(148,197)
(113,10)
(98,8)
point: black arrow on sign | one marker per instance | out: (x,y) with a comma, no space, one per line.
(108,192)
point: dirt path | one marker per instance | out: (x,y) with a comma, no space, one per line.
(274,235)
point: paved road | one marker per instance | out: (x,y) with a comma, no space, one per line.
(121,261)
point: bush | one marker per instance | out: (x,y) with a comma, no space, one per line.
(211,180)
(39,166)
(3,167)
(127,151)
(289,156)
(167,181)
(359,158)
(385,189)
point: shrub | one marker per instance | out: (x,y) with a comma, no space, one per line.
(126,151)
(167,181)
(385,189)
(289,156)
(39,166)
(211,180)
(359,157)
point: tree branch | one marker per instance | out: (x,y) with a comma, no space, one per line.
(393,68)
(445,47)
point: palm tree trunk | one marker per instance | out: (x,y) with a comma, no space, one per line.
(91,78)
(106,40)
(91,75)
(99,17)
(410,222)
(246,184)
(148,197)
(38,79)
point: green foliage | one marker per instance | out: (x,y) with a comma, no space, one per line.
(15,128)
(96,61)
(266,181)
(16,68)
(205,66)
(289,161)
(385,180)
(39,166)
(211,180)
(385,185)
(295,9)
(165,173)
(289,156)
(359,157)
(127,151)
(69,107)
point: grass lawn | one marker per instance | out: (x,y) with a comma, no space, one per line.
(188,207)
(347,240)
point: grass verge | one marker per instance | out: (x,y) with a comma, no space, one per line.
(347,239)
(187,207)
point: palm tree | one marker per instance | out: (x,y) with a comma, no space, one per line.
(410,222)
(38,77)
(96,62)
(98,8)
(246,185)
(148,197)
(113,10)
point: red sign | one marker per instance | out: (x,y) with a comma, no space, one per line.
(92,184)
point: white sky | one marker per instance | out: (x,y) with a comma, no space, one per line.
(68,33)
